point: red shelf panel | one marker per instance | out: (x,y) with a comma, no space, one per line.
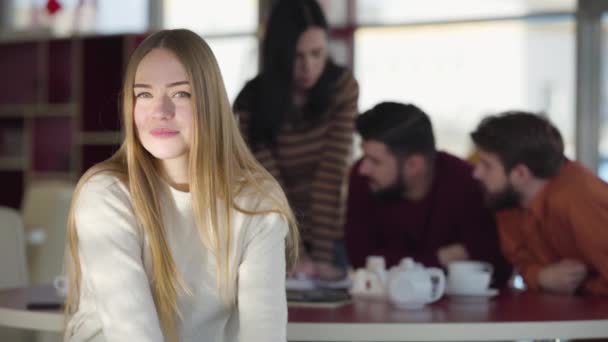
(51,145)
(19,67)
(102,77)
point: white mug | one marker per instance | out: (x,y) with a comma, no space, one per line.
(469,276)
(60,283)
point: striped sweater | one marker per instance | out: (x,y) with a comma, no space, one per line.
(312,164)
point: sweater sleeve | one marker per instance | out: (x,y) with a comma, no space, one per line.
(362,232)
(110,249)
(587,216)
(262,302)
(513,243)
(359,230)
(327,200)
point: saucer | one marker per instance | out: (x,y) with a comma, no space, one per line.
(408,305)
(488,293)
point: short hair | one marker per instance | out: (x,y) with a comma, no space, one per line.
(518,137)
(404,128)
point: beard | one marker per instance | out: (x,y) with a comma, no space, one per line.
(507,198)
(392,192)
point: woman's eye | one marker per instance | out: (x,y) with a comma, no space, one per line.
(182,94)
(143,95)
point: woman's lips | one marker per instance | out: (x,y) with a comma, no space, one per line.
(163,132)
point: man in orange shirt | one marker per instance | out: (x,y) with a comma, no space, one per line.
(552,213)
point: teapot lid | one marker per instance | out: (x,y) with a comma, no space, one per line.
(408,264)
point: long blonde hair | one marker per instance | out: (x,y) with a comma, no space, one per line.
(220,167)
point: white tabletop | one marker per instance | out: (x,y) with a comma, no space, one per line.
(14,312)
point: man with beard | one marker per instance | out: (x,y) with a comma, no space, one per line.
(406,199)
(552,213)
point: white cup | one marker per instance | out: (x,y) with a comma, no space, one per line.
(376,264)
(60,283)
(469,277)
(367,284)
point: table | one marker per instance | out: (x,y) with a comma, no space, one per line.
(14,312)
(510,316)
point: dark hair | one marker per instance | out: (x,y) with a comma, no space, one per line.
(404,128)
(268,97)
(522,138)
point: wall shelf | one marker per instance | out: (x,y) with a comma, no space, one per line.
(12,164)
(59,110)
(100,138)
(37,110)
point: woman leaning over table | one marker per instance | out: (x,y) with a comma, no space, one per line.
(298,117)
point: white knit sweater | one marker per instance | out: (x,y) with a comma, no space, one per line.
(115,299)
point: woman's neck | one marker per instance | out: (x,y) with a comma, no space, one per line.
(175,172)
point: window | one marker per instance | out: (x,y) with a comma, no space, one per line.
(211,17)
(107,16)
(238,60)
(370,12)
(603,143)
(229,26)
(459,72)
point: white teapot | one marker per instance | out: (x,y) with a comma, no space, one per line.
(411,286)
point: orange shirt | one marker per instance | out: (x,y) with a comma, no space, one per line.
(567,219)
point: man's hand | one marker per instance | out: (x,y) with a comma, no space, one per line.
(454,252)
(305,266)
(563,277)
(329,272)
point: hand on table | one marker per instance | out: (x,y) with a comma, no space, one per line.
(308,268)
(563,277)
(305,267)
(329,272)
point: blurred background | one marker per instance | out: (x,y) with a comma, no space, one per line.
(459,60)
(61,65)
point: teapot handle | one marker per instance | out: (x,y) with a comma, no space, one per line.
(489,268)
(440,286)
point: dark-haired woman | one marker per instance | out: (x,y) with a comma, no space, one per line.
(298,117)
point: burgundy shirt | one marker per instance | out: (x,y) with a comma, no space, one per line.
(452,212)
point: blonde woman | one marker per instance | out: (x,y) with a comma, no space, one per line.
(181,235)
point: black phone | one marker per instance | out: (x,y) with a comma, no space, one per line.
(318,296)
(44,305)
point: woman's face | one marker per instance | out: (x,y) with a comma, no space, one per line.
(163,107)
(311,56)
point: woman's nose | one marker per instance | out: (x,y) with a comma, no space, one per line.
(164,107)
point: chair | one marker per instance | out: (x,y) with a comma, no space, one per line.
(13,265)
(45,210)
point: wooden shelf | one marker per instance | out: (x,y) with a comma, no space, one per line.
(99,138)
(51,175)
(31,110)
(59,112)
(13,164)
